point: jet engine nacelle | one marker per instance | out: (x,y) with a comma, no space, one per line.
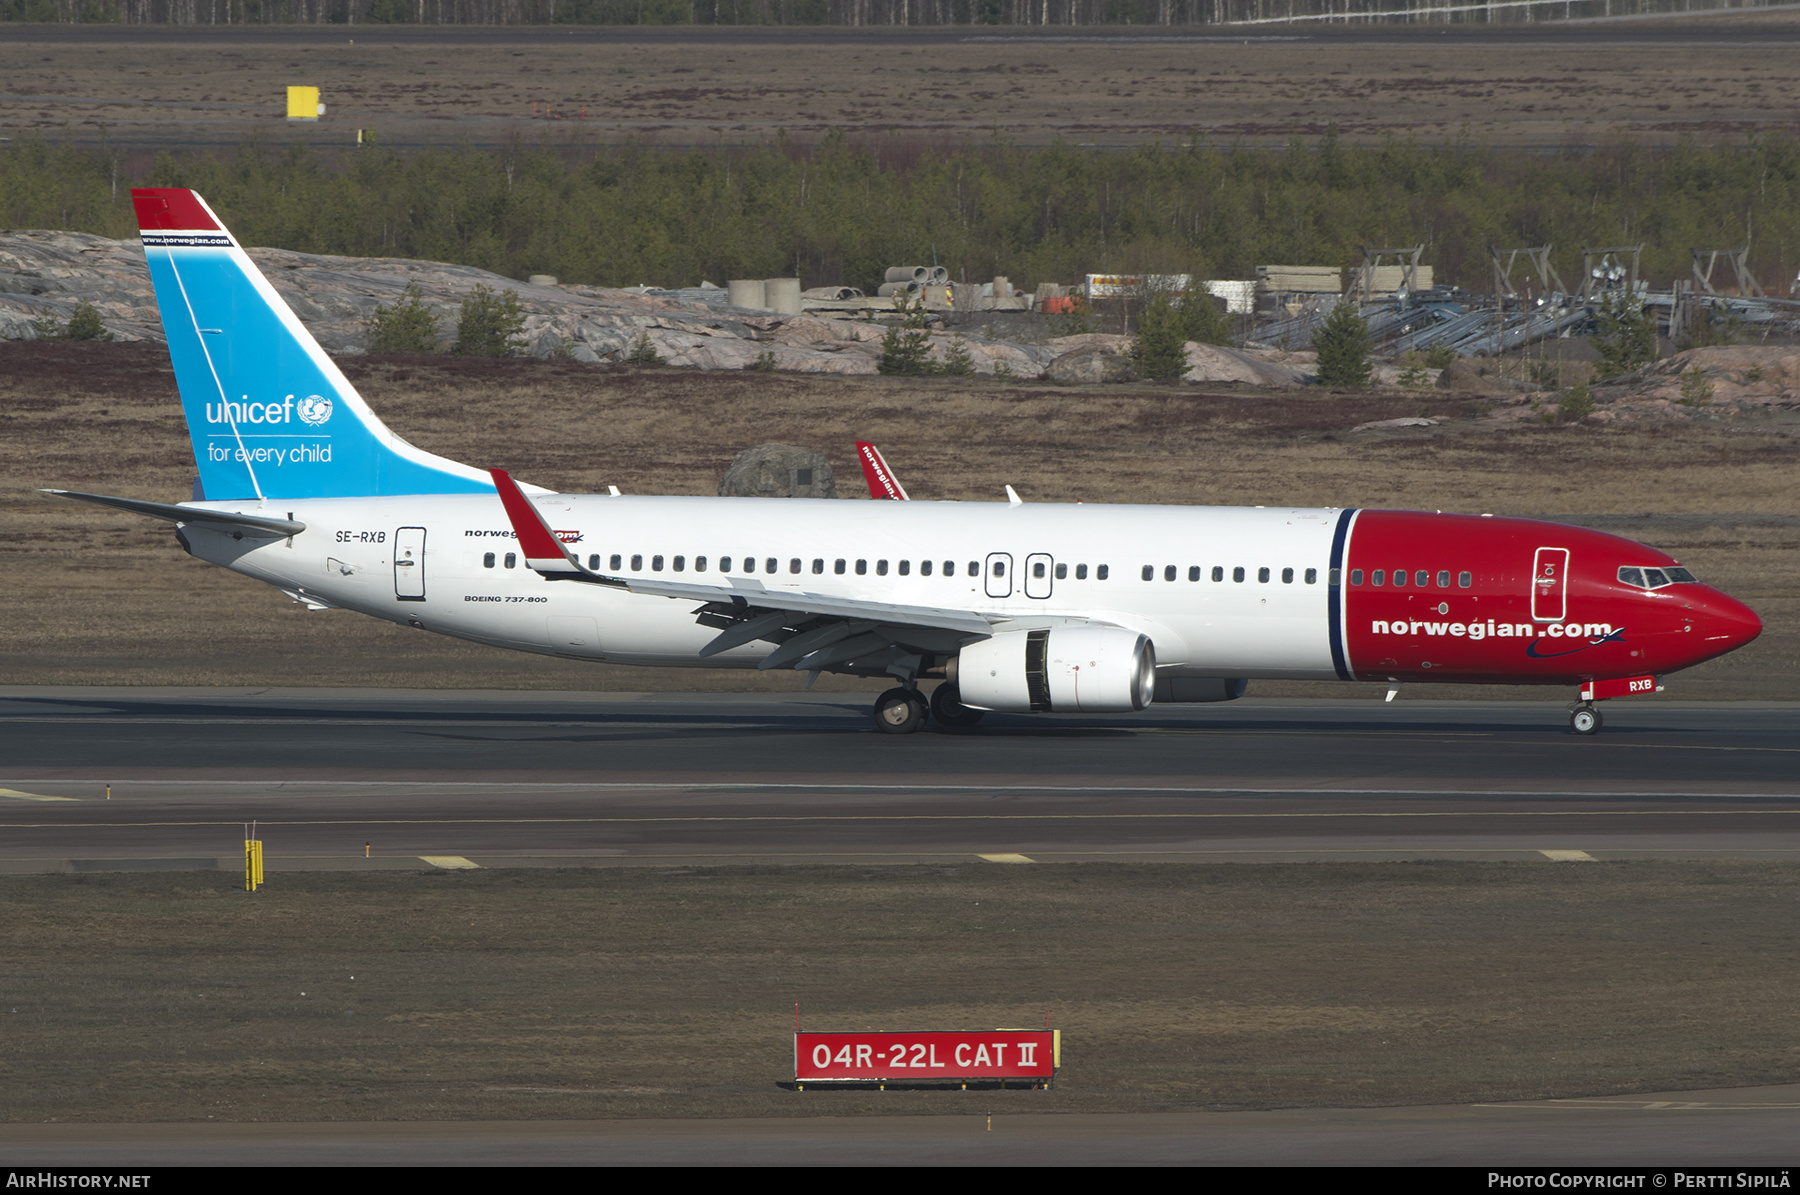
(1069,669)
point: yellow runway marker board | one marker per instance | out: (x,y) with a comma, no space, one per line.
(1008,859)
(451,862)
(1569,856)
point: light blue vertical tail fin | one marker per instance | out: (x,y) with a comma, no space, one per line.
(270,415)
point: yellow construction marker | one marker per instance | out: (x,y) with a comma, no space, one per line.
(16,795)
(1569,856)
(451,862)
(1008,858)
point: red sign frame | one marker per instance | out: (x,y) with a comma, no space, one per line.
(897,1057)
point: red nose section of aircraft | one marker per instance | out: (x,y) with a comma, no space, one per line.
(1465,598)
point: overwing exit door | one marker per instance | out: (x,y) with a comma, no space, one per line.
(1550,585)
(999,574)
(1038,578)
(409,564)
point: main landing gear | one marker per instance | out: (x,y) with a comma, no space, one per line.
(1584,718)
(899,711)
(903,710)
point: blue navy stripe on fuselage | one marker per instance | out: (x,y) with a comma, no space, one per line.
(1336,579)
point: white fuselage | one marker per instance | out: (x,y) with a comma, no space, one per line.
(354,554)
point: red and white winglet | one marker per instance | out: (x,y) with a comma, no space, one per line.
(881,479)
(544,552)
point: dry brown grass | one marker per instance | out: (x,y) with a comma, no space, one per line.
(636,992)
(94,597)
(694,87)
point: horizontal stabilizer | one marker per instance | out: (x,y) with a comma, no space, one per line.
(194,516)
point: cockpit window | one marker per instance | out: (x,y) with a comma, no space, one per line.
(1655,578)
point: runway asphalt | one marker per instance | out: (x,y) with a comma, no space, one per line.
(1750,1128)
(433,779)
(140,779)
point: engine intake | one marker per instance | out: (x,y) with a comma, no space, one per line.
(1091,670)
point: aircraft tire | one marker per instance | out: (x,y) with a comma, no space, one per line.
(899,711)
(947,708)
(1585,719)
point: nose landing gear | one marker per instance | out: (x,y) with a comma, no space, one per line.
(1584,718)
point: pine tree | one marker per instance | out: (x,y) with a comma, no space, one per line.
(1160,350)
(906,349)
(1627,337)
(1203,318)
(1343,343)
(490,324)
(406,326)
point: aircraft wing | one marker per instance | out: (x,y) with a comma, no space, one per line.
(811,631)
(881,479)
(223,520)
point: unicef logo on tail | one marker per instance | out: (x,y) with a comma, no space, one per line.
(314,409)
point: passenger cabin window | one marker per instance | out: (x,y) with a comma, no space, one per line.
(949,568)
(925,568)
(1100,571)
(1312,576)
(1193,572)
(512,560)
(1378,577)
(637,564)
(617,562)
(1399,578)
(656,563)
(1081,572)
(906,568)
(793,565)
(1464,580)
(1444,579)
(488,562)
(724,563)
(699,564)
(818,566)
(1356,576)
(1287,576)
(772,565)
(680,563)
(1237,574)
(1149,572)
(1037,569)
(862,567)
(1218,573)
(1421,578)
(881,568)
(1168,572)
(594,563)
(838,566)
(1062,570)
(1262,575)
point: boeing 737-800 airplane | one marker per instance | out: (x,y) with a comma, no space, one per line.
(1017,607)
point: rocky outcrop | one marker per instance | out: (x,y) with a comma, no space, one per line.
(47,274)
(778,471)
(1090,367)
